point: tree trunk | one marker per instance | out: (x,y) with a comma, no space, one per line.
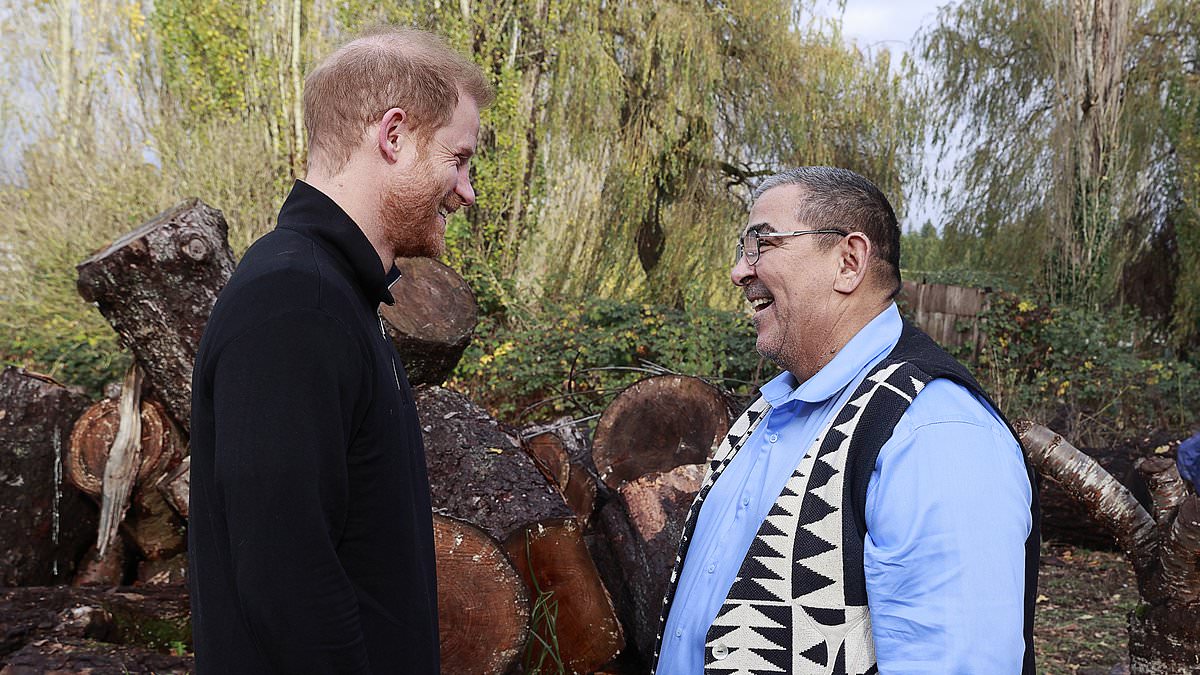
(643,526)
(1164,629)
(433,319)
(1066,519)
(573,616)
(45,525)
(93,630)
(156,286)
(658,424)
(483,606)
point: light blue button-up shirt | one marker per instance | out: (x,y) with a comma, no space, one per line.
(947,516)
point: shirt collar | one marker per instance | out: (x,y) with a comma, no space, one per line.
(866,347)
(312,213)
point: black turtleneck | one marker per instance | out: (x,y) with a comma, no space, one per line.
(310,535)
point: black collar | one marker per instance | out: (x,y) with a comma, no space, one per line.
(313,214)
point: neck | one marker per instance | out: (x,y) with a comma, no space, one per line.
(358,197)
(846,322)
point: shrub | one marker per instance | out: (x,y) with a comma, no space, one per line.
(573,358)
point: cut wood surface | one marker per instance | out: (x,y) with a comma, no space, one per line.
(656,425)
(483,604)
(175,486)
(478,472)
(45,524)
(573,478)
(157,285)
(96,429)
(433,318)
(556,566)
(643,527)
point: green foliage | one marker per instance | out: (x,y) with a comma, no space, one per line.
(1093,376)
(573,358)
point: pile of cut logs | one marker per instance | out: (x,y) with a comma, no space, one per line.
(553,548)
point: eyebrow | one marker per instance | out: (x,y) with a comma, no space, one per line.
(760,228)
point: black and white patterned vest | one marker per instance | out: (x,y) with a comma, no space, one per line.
(799,603)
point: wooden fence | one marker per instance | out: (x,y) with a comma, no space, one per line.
(949,314)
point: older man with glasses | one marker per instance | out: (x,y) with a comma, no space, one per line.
(872,511)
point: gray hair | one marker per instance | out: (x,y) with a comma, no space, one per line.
(841,199)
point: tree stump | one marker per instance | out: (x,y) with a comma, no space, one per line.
(45,524)
(433,319)
(572,608)
(643,526)
(157,285)
(478,473)
(658,424)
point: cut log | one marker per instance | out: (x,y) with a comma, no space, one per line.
(658,424)
(45,524)
(150,524)
(479,473)
(643,526)
(96,429)
(553,457)
(108,571)
(483,606)
(572,610)
(433,318)
(156,286)
(98,628)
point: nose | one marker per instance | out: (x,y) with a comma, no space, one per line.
(463,188)
(742,272)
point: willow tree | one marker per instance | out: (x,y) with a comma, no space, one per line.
(1069,160)
(617,158)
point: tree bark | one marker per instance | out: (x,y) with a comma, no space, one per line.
(658,424)
(1164,630)
(1107,501)
(433,319)
(175,487)
(156,286)
(483,606)
(643,526)
(576,612)
(93,630)
(478,472)
(45,525)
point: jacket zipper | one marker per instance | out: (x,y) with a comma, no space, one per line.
(391,355)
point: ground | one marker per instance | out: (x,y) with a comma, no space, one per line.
(1083,599)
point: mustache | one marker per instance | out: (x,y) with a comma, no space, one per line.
(452,202)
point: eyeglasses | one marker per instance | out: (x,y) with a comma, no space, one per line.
(748,242)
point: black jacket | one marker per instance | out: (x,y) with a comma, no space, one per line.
(310,536)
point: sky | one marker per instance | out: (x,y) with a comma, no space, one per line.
(891,24)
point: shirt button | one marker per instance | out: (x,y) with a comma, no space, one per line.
(712,568)
(774,437)
(745,501)
(720,651)
(678,632)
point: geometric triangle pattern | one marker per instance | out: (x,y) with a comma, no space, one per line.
(787,611)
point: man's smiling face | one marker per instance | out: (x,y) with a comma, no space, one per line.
(790,286)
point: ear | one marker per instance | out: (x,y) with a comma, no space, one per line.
(392,133)
(854,259)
